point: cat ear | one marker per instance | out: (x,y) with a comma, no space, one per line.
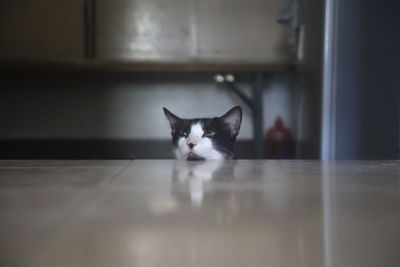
(173,119)
(233,119)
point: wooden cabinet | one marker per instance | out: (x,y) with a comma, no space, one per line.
(135,32)
(41,30)
(143,31)
(237,31)
(181,31)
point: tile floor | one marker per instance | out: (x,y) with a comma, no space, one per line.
(178,213)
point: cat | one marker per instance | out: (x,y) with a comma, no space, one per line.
(205,138)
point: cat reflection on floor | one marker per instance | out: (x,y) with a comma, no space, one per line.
(191,179)
(212,186)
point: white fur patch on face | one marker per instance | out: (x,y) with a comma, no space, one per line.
(196,132)
(202,146)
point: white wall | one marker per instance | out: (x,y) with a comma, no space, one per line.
(121,106)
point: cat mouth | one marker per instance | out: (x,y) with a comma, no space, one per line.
(193,157)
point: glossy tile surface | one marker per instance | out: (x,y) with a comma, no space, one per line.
(174,213)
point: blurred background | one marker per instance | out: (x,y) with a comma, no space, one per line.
(87,79)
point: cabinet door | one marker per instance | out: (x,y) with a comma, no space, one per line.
(143,30)
(41,30)
(237,31)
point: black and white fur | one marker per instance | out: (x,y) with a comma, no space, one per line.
(205,138)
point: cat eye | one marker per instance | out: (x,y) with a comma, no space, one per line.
(183,133)
(209,134)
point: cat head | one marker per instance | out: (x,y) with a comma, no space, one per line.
(205,138)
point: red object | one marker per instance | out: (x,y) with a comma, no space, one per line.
(280,142)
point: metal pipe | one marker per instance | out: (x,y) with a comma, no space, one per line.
(257,109)
(244,97)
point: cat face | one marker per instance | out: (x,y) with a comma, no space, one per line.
(206,138)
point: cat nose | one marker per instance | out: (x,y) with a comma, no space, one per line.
(191,144)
